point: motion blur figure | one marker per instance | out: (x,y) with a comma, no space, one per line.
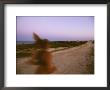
(41,56)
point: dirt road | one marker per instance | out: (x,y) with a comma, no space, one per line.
(76,60)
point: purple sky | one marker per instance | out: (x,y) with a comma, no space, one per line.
(55,28)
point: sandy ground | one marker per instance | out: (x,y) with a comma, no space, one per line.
(69,61)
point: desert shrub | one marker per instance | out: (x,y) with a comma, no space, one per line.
(19,55)
(25,49)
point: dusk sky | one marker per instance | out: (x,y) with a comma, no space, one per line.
(55,28)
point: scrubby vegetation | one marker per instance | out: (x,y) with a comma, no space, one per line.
(90,66)
(66,43)
(24,50)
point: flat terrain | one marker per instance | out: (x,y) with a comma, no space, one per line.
(75,60)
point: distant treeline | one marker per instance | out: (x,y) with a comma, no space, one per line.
(24,50)
(53,44)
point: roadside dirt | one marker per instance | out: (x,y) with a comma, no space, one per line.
(76,60)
